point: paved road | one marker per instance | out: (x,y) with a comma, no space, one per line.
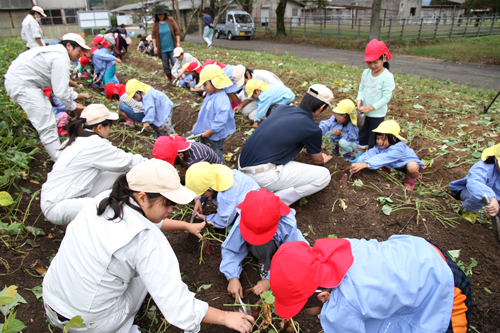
(475,75)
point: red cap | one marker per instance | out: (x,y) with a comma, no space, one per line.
(111,88)
(211,62)
(375,49)
(297,271)
(46,92)
(97,40)
(166,148)
(105,44)
(92,50)
(84,61)
(264,207)
(194,66)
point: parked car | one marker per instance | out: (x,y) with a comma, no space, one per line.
(149,21)
(237,24)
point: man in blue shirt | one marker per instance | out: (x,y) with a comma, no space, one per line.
(267,156)
(208,30)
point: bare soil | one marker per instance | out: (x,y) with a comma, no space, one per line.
(363,218)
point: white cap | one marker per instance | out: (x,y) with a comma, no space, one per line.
(321,92)
(239,75)
(149,38)
(157,176)
(178,51)
(39,10)
(97,113)
(76,38)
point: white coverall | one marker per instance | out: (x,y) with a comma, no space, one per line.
(270,78)
(104,270)
(30,31)
(86,168)
(188,58)
(32,71)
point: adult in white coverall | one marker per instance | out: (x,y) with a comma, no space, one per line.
(182,59)
(87,165)
(113,254)
(40,68)
(31,32)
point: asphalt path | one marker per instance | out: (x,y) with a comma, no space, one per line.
(474,75)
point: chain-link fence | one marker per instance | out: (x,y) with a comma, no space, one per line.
(390,29)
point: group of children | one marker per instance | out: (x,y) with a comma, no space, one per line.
(115,219)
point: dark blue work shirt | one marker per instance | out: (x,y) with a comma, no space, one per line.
(281,137)
(208,19)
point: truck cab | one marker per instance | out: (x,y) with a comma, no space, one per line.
(236,24)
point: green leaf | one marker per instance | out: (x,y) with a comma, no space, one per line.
(37,290)
(332,236)
(387,209)
(5,199)
(36,231)
(76,321)
(358,182)
(418,107)
(302,202)
(476,154)
(6,300)
(454,253)
(249,132)
(204,287)
(384,200)
(13,325)
(428,161)
(267,297)
(487,290)
(7,307)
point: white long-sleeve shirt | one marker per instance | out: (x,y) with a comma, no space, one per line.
(78,167)
(97,260)
(188,58)
(30,31)
(43,67)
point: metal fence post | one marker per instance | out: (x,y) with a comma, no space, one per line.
(493,24)
(305,22)
(452,23)
(380,28)
(437,26)
(359,27)
(466,26)
(403,29)
(320,27)
(420,30)
(390,25)
(338,29)
(480,24)
(291,20)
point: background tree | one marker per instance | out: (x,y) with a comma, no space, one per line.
(280,20)
(482,4)
(375,20)
(321,5)
(247,6)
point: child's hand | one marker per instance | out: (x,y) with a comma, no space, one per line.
(234,288)
(359,103)
(196,228)
(237,109)
(188,81)
(208,133)
(337,132)
(146,125)
(118,60)
(357,167)
(85,96)
(492,208)
(198,207)
(200,216)
(240,322)
(191,89)
(261,286)
(366,109)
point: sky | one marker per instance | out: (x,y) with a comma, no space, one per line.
(426,2)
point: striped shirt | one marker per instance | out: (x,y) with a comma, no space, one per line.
(138,107)
(200,152)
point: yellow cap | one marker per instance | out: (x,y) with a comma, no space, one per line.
(215,74)
(202,175)
(133,86)
(390,127)
(347,106)
(185,65)
(254,84)
(492,151)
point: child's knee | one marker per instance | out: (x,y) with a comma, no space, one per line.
(413,167)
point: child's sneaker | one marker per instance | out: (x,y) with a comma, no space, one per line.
(348,156)
(335,151)
(385,169)
(85,75)
(409,183)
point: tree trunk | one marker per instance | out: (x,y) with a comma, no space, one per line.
(280,20)
(375,20)
(247,6)
(177,16)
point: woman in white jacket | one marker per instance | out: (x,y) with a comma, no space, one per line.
(113,254)
(87,165)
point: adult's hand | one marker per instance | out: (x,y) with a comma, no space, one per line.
(326,158)
(234,288)
(492,208)
(79,108)
(261,286)
(238,321)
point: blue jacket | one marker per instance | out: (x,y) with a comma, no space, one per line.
(102,60)
(157,107)
(394,157)
(228,70)
(275,95)
(234,248)
(227,200)
(216,115)
(59,106)
(482,179)
(185,79)
(400,285)
(350,132)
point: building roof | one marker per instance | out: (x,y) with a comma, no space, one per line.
(133,6)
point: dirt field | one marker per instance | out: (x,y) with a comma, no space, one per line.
(363,218)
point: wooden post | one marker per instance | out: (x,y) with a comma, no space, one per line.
(338,29)
(420,30)
(320,27)
(291,20)
(452,23)
(493,24)
(359,27)
(480,24)
(380,28)
(466,26)
(390,25)
(305,22)
(437,26)
(403,29)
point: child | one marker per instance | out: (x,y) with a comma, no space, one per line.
(483,178)
(215,119)
(187,80)
(391,153)
(85,68)
(87,164)
(182,154)
(225,187)
(264,224)
(104,62)
(60,109)
(268,97)
(233,89)
(143,44)
(405,284)
(195,68)
(157,107)
(183,59)
(130,109)
(341,128)
(375,92)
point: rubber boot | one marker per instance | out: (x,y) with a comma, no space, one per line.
(288,196)
(409,182)
(358,154)
(53,148)
(170,77)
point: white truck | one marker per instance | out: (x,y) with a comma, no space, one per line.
(236,24)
